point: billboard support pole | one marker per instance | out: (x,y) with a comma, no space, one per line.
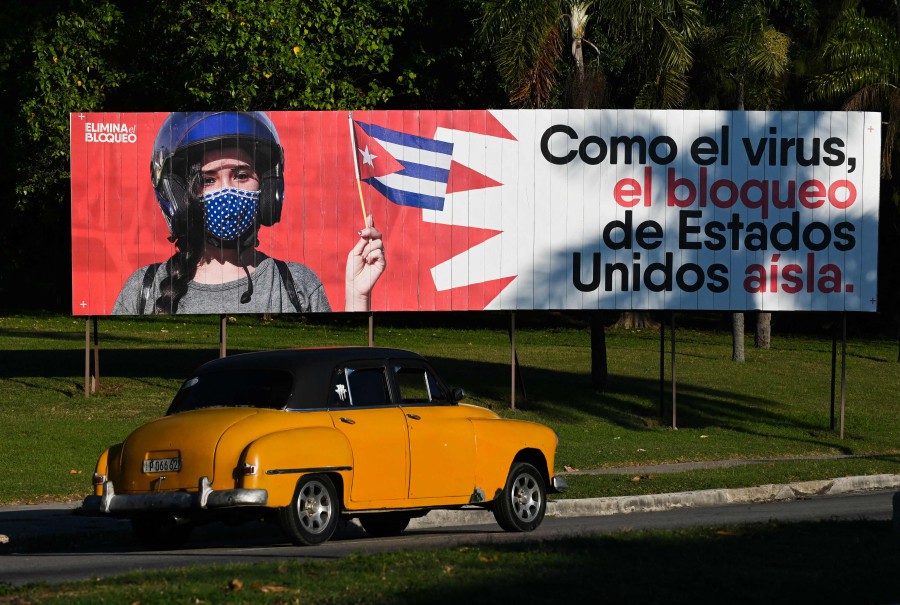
(223,336)
(96,382)
(843,368)
(91,378)
(87,357)
(512,360)
(371,328)
(662,370)
(834,338)
(674,394)
(516,370)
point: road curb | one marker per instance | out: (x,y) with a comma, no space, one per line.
(588,507)
(59,520)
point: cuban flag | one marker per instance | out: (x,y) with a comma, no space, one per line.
(407,169)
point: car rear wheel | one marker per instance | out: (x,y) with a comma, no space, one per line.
(312,516)
(161,532)
(523,502)
(384,524)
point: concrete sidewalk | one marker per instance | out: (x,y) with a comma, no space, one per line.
(22,525)
(586,507)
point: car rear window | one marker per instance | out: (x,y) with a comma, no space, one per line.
(254,388)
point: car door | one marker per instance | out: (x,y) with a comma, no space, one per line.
(441,437)
(361,407)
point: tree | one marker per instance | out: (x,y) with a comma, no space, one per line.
(749,58)
(74,55)
(659,37)
(529,39)
(860,66)
(58,58)
(860,60)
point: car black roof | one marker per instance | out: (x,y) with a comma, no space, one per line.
(311,367)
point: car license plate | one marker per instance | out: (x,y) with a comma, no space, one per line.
(162,465)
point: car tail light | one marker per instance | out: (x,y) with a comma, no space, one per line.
(99,479)
(244,470)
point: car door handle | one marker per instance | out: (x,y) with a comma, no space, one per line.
(414,416)
(346,420)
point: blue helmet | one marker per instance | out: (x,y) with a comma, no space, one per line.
(178,152)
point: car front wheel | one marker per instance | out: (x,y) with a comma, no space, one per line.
(523,502)
(312,516)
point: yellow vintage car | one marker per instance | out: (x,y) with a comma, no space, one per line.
(312,436)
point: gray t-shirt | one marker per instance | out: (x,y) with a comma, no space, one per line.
(269,293)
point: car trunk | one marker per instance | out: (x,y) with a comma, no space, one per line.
(190,438)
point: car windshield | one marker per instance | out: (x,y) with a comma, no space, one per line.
(255,388)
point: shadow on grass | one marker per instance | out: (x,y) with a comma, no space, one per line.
(830,562)
(130,363)
(629,402)
(563,396)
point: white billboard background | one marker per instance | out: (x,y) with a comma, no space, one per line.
(550,213)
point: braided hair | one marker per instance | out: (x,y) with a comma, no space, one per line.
(182,266)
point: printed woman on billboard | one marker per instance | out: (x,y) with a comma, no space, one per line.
(219,177)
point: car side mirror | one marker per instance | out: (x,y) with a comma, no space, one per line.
(458,394)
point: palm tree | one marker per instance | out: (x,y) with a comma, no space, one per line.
(861,67)
(751,57)
(529,39)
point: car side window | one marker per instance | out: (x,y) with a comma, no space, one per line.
(418,386)
(359,387)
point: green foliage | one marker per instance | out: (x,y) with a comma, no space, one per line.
(660,35)
(860,60)
(744,57)
(73,70)
(288,54)
(529,40)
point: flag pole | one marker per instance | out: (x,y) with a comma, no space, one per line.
(362,203)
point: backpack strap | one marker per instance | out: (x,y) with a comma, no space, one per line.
(288,281)
(146,286)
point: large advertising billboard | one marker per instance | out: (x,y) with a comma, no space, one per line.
(224,212)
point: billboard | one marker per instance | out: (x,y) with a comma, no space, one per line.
(472,210)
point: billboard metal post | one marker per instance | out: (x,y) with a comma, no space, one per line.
(512,360)
(87,357)
(223,336)
(96,382)
(834,338)
(662,369)
(843,368)
(91,378)
(674,393)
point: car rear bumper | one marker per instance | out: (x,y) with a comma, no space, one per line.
(203,499)
(558,485)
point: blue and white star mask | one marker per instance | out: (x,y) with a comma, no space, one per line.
(229,212)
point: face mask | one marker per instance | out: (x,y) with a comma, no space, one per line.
(229,212)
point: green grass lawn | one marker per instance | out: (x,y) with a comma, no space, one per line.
(776,405)
(829,562)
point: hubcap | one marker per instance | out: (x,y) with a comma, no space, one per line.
(526,498)
(314,506)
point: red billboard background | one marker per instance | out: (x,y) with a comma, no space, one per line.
(117,225)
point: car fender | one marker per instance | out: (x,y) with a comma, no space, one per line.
(278,460)
(108,466)
(500,442)
(101,470)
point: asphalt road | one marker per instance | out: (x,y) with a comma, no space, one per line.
(105,547)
